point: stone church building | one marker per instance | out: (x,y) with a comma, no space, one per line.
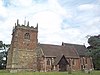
(25,53)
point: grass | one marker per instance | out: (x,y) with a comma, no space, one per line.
(49,73)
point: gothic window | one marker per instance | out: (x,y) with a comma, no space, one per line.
(48,61)
(73,61)
(52,60)
(27,36)
(85,60)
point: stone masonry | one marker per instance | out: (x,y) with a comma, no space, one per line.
(21,54)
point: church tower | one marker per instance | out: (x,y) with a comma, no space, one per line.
(21,55)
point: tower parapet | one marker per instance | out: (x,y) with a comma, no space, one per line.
(24,26)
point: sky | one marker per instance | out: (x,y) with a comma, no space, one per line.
(68,21)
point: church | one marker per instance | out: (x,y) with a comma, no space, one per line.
(26,54)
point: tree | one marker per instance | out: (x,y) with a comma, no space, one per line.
(94,50)
(1,45)
(3,54)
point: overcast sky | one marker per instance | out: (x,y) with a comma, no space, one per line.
(68,21)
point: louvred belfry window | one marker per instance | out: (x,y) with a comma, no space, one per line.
(27,36)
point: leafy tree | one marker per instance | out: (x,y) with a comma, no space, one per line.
(1,45)
(3,55)
(94,50)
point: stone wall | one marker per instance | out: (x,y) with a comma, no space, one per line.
(21,54)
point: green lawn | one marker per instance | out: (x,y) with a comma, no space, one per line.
(49,73)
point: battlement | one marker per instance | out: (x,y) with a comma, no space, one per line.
(25,26)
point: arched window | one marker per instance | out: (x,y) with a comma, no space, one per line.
(85,60)
(48,61)
(27,36)
(73,61)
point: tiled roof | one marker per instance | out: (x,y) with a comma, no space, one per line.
(56,50)
(51,50)
(80,49)
(66,50)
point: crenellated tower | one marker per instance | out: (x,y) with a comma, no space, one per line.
(21,54)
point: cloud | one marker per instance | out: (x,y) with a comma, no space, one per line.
(21,3)
(85,19)
(48,19)
(3,12)
(49,25)
(87,7)
(58,22)
(57,8)
(24,3)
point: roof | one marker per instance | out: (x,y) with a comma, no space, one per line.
(58,58)
(57,50)
(80,49)
(50,50)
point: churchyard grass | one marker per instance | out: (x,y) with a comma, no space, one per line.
(49,73)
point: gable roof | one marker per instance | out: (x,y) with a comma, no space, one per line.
(50,50)
(56,50)
(80,49)
(58,59)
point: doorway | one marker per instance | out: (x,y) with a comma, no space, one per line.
(63,64)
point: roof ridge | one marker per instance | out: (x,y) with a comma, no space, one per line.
(72,44)
(50,44)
